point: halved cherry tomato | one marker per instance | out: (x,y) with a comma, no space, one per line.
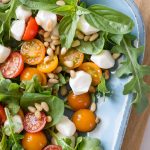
(52,147)
(29,72)
(32,124)
(31,29)
(84,120)
(72,55)
(48,66)
(33,52)
(2,114)
(13,65)
(93,70)
(77,102)
(34,141)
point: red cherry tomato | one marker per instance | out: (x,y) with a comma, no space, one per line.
(31,29)
(13,65)
(2,114)
(32,124)
(52,147)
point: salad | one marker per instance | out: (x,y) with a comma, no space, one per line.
(56,57)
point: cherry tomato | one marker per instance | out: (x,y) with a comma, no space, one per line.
(84,120)
(13,66)
(34,141)
(77,102)
(52,147)
(21,114)
(32,124)
(93,70)
(33,52)
(31,29)
(29,72)
(72,55)
(48,66)
(2,114)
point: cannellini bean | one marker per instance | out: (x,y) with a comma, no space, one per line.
(38,107)
(32,109)
(45,106)
(38,114)
(63,51)
(93,107)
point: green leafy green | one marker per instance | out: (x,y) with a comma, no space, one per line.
(131,66)
(67,28)
(14,139)
(3,142)
(109,20)
(55,104)
(94,47)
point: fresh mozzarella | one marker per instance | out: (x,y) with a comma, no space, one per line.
(103,60)
(23,13)
(80,83)
(85,27)
(46,19)
(4,53)
(55,31)
(17,125)
(17,29)
(66,127)
(59,135)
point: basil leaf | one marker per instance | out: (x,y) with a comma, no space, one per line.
(116,38)
(67,28)
(94,47)
(109,20)
(82,11)
(55,104)
(71,2)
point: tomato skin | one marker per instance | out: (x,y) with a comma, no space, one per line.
(93,70)
(84,120)
(33,52)
(33,124)
(13,66)
(29,72)
(72,55)
(34,141)
(49,66)
(2,114)
(52,147)
(77,102)
(31,30)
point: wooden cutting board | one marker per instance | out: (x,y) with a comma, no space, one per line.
(137,123)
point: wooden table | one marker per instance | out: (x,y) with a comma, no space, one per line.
(137,124)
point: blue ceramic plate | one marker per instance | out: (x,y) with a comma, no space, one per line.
(115,110)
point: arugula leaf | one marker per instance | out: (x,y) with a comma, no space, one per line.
(131,66)
(94,47)
(14,139)
(109,20)
(84,143)
(67,28)
(102,87)
(3,142)
(55,104)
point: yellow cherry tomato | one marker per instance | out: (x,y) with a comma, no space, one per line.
(47,67)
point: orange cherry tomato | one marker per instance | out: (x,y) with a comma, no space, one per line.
(84,120)
(2,114)
(72,55)
(47,67)
(29,72)
(21,114)
(52,147)
(77,102)
(13,65)
(93,70)
(34,141)
(31,29)
(33,52)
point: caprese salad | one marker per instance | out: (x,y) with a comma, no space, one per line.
(55,57)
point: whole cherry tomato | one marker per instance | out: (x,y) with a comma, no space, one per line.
(2,114)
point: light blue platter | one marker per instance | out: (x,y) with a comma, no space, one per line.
(115,110)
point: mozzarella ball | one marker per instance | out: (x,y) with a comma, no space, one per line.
(85,27)
(66,127)
(17,29)
(46,19)
(23,13)
(80,84)
(4,53)
(104,60)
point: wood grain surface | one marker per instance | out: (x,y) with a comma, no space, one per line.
(137,123)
